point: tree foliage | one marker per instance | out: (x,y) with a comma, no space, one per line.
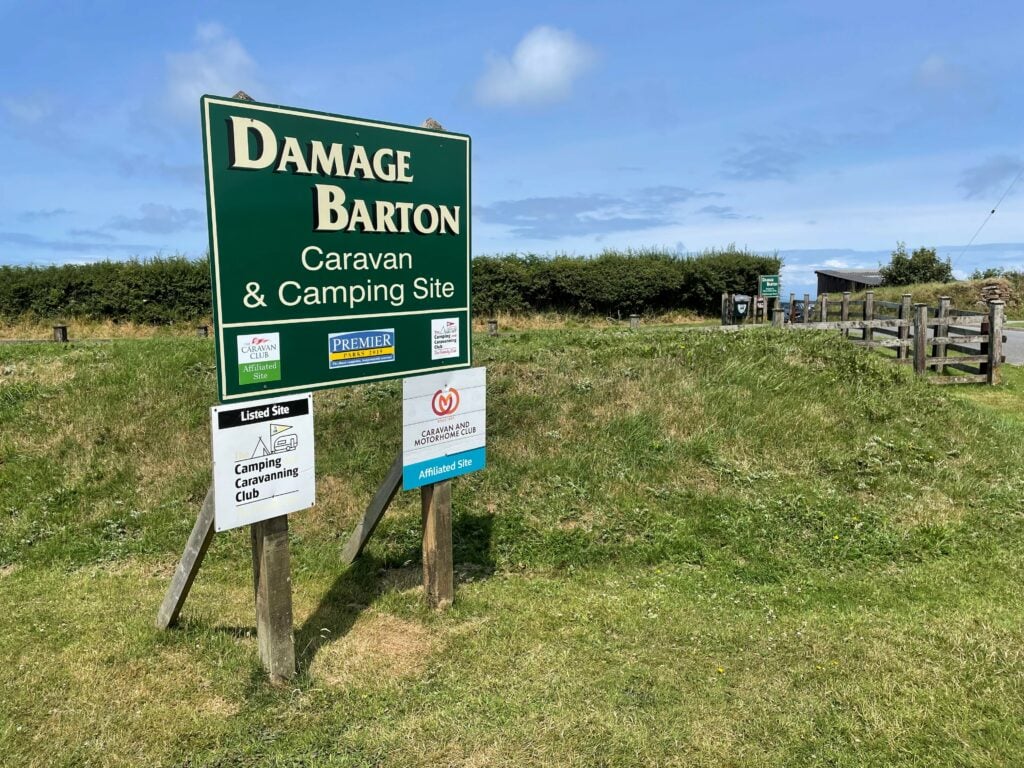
(921,266)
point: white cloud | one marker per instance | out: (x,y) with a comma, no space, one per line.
(218,65)
(836,264)
(541,70)
(939,73)
(29,110)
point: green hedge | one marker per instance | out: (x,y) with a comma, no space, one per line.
(164,290)
(159,290)
(640,281)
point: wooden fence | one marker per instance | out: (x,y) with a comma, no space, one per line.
(939,339)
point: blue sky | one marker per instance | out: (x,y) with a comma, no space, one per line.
(824,131)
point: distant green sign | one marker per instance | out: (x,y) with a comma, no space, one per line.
(768,286)
(339,248)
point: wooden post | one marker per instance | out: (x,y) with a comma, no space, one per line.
(725,308)
(824,307)
(807,308)
(869,313)
(438,564)
(995,340)
(942,329)
(272,583)
(436,502)
(202,331)
(844,311)
(195,550)
(778,317)
(903,332)
(920,337)
(492,327)
(792,307)
(60,333)
(374,512)
(634,322)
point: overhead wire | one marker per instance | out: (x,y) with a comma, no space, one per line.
(991,213)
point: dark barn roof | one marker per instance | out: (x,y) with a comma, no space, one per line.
(863,276)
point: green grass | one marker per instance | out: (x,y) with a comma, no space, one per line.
(757,549)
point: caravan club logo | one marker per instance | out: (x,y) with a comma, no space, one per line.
(259,358)
(445,403)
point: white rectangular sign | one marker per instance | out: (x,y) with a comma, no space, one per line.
(444,426)
(263,462)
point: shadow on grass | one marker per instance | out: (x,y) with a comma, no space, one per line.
(370,577)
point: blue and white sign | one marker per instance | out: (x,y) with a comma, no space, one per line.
(444,426)
(361,347)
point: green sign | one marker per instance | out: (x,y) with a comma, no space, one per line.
(339,248)
(768,286)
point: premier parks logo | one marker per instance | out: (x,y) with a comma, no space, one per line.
(259,358)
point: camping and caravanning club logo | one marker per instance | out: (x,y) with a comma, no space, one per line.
(445,403)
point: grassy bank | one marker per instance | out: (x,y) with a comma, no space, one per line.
(964,294)
(758,549)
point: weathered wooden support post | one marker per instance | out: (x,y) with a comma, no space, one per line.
(634,322)
(202,331)
(436,504)
(272,583)
(438,562)
(995,340)
(792,307)
(869,313)
(60,334)
(844,312)
(903,331)
(941,330)
(778,317)
(492,327)
(195,550)
(807,308)
(725,308)
(920,337)
(824,307)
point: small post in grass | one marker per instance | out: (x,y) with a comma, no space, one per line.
(869,314)
(725,308)
(995,340)
(492,327)
(920,337)
(202,331)
(824,307)
(778,317)
(844,311)
(792,307)
(60,334)
(634,322)
(941,330)
(903,331)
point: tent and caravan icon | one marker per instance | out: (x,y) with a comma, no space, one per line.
(280,443)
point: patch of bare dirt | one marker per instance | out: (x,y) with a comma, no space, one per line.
(377,647)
